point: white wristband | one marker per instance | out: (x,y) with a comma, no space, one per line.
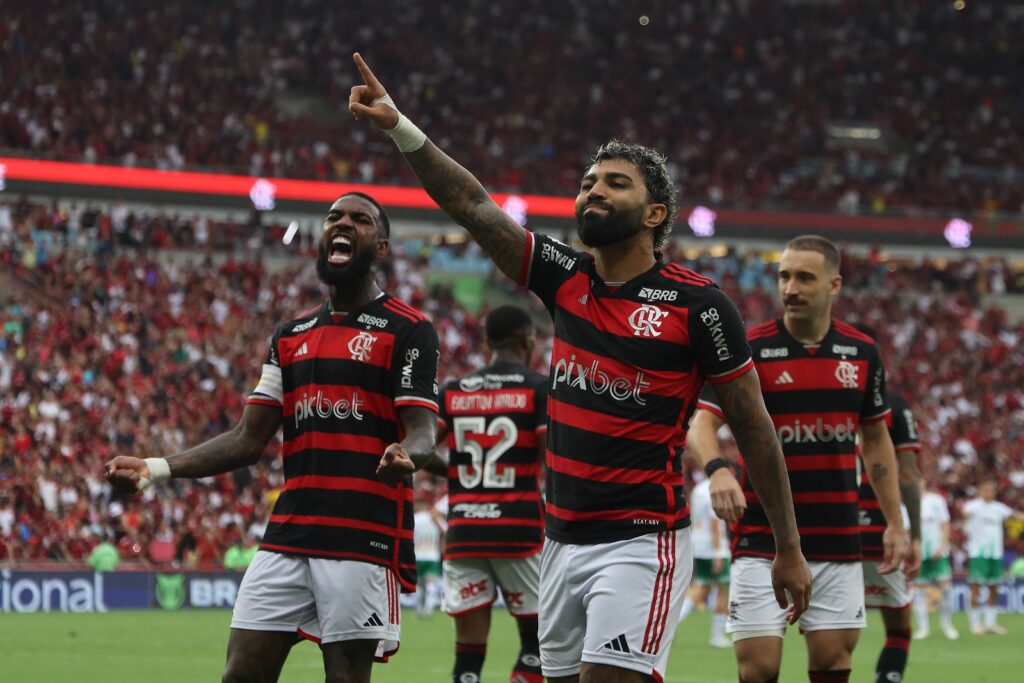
(406,135)
(159,471)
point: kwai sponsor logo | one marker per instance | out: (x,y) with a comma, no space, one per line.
(713,321)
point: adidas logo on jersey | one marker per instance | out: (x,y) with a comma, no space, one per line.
(374,620)
(303,350)
(784,378)
(584,299)
(618,644)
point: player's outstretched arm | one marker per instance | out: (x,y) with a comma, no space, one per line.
(727,499)
(880,461)
(415,451)
(743,406)
(240,447)
(454,188)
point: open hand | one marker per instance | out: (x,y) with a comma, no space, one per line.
(370,101)
(895,542)
(790,574)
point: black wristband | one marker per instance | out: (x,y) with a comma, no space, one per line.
(714,466)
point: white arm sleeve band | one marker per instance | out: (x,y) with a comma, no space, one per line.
(406,135)
(270,383)
(159,471)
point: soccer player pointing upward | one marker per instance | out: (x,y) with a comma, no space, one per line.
(634,342)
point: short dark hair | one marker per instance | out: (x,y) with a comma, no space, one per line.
(505,323)
(819,244)
(654,167)
(385,224)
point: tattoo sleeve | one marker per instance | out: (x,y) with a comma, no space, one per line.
(240,447)
(910,489)
(420,426)
(744,409)
(466,201)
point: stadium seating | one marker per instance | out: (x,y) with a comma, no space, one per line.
(881,106)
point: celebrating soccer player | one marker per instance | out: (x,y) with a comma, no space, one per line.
(824,384)
(635,340)
(342,381)
(495,423)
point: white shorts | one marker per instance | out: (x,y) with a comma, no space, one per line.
(319,599)
(472,583)
(613,603)
(885,591)
(837,599)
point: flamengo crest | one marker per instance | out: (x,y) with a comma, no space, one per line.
(360,346)
(846,373)
(646,320)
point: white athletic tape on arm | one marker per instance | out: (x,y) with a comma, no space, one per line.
(159,471)
(406,135)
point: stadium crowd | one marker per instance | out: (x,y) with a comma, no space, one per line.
(121,351)
(747,101)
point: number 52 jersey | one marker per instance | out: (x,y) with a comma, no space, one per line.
(496,424)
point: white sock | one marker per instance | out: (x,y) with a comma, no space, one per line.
(921,610)
(946,607)
(974,616)
(990,616)
(687,608)
(717,626)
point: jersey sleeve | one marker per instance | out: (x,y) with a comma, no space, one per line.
(416,355)
(709,401)
(904,429)
(547,265)
(718,338)
(270,389)
(876,405)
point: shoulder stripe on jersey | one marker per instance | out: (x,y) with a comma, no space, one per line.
(676,269)
(395,309)
(684,280)
(760,332)
(526,267)
(406,307)
(851,331)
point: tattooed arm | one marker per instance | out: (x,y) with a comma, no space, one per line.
(454,188)
(744,410)
(910,489)
(240,447)
(880,460)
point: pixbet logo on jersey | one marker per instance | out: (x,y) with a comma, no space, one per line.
(817,432)
(592,378)
(321,406)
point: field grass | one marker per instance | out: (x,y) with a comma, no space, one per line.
(173,647)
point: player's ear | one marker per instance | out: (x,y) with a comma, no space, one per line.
(837,284)
(654,215)
(382,247)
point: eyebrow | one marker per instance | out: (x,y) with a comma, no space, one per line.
(609,175)
(355,213)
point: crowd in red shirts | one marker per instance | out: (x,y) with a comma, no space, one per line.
(126,351)
(856,106)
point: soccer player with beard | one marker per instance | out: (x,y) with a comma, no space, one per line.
(353,386)
(824,384)
(635,340)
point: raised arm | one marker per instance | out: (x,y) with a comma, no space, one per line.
(455,190)
(240,447)
(743,406)
(880,461)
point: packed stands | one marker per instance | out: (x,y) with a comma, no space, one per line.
(903,106)
(119,350)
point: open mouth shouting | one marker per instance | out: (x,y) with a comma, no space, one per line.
(340,249)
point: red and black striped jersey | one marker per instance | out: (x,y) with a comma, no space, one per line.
(496,423)
(818,396)
(627,366)
(339,380)
(903,430)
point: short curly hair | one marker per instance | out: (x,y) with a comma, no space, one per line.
(654,166)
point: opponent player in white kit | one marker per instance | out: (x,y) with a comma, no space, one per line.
(936,568)
(983,524)
(710,562)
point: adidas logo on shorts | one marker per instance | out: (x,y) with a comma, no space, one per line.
(618,644)
(374,620)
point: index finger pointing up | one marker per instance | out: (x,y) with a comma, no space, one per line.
(365,72)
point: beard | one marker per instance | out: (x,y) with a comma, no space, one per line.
(597,230)
(352,273)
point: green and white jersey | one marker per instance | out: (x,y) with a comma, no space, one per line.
(934,513)
(984,527)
